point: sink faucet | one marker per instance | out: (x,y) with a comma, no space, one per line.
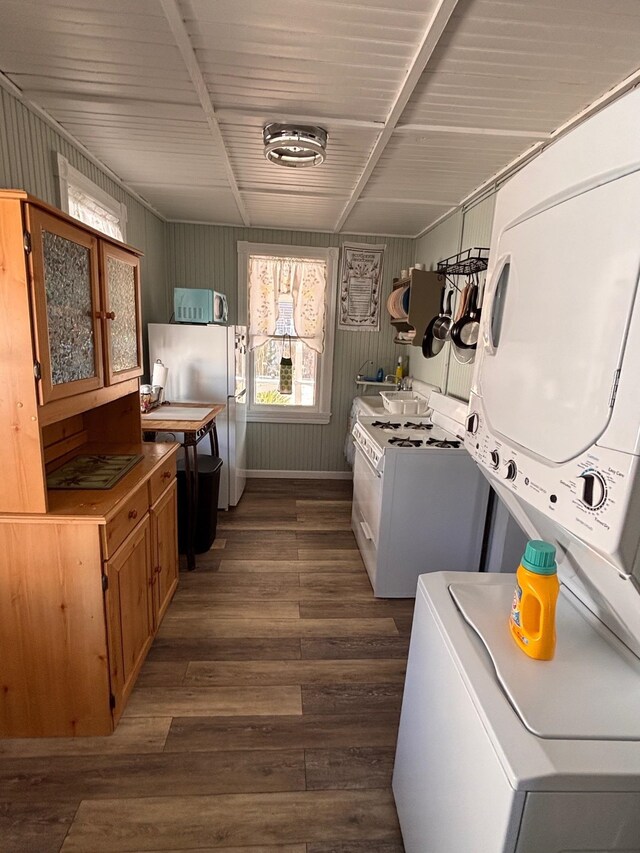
(391,377)
(360,374)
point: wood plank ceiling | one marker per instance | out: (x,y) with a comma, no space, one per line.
(423,100)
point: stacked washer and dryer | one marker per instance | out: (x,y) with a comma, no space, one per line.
(498,753)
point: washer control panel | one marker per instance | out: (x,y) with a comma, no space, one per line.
(588,495)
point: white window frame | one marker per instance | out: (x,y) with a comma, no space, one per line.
(321,412)
(68,175)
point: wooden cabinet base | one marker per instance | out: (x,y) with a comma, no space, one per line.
(78,615)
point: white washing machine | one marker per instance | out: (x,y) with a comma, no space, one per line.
(498,753)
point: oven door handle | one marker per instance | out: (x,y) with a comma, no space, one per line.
(366,530)
(368,461)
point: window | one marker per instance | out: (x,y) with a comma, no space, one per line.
(288,295)
(86,201)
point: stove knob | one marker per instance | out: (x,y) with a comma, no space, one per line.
(495,458)
(511,470)
(473,421)
(594,490)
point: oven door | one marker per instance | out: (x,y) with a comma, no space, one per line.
(366,511)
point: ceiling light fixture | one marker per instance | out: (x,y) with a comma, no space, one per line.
(294,145)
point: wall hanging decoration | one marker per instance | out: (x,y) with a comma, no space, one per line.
(286,368)
(360,286)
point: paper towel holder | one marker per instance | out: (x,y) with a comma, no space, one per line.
(159,378)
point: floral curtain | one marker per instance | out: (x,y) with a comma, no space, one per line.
(305,280)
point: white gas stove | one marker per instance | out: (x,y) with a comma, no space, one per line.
(362,407)
(419,502)
(377,437)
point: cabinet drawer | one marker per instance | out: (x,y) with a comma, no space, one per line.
(131,514)
(161,479)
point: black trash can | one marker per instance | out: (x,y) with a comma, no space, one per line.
(207,509)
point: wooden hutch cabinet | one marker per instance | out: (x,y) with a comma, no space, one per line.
(86,307)
(85,574)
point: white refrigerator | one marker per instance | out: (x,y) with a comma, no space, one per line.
(208,364)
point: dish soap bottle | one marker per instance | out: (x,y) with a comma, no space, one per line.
(533,613)
(399,370)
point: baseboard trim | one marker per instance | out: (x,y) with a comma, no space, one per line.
(260,474)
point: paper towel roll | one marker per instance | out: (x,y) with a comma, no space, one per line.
(159,375)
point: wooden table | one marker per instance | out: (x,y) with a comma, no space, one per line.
(160,420)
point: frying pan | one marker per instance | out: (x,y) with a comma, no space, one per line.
(464,333)
(463,356)
(430,345)
(443,323)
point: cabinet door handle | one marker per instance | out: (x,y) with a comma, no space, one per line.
(158,569)
(100,315)
(166,475)
(110,315)
(133,513)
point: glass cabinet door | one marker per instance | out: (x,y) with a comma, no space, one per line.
(66,307)
(122,321)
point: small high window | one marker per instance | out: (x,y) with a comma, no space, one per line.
(86,201)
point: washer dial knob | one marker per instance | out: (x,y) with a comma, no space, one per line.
(495,458)
(473,422)
(510,470)
(594,490)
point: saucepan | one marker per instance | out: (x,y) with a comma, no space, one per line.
(464,332)
(442,326)
(431,345)
(463,356)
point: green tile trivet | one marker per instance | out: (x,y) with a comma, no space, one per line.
(92,472)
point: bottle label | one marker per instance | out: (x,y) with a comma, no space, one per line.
(516,615)
(515,607)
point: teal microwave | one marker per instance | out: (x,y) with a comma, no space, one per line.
(195,305)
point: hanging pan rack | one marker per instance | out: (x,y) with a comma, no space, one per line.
(469,263)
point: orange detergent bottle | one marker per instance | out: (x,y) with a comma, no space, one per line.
(533,613)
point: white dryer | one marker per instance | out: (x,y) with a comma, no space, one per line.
(498,753)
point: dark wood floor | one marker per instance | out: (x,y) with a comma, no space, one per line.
(265,718)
